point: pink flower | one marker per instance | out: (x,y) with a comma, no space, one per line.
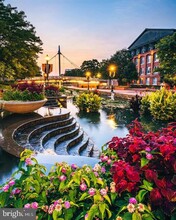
(104,158)
(63,170)
(51,209)
(58,207)
(27,206)
(130,207)
(86,217)
(62,178)
(103,192)
(141,207)
(5,188)
(103,170)
(16,191)
(34,205)
(67,204)
(74,166)
(149,156)
(109,161)
(91,191)
(28,161)
(96,174)
(148,149)
(83,187)
(132,200)
(11,183)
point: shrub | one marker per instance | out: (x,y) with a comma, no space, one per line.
(161,104)
(51,90)
(135,179)
(24,92)
(145,170)
(88,102)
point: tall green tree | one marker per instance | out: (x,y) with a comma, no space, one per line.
(90,65)
(74,72)
(125,72)
(19,45)
(167,57)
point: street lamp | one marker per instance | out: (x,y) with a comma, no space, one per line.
(98,76)
(88,75)
(47,67)
(112,71)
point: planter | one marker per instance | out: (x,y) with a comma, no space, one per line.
(20,106)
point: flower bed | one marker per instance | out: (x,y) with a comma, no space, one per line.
(134,180)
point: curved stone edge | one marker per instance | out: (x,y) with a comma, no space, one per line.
(20,106)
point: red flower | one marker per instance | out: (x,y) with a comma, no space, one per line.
(150,175)
(160,183)
(156,197)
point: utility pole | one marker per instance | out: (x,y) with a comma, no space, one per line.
(59,53)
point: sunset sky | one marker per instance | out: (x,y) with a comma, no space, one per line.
(93,29)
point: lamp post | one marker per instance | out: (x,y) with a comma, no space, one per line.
(112,71)
(88,75)
(47,66)
(98,76)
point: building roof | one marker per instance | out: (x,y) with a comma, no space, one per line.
(150,36)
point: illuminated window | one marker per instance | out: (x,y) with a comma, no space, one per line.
(148,81)
(154,81)
(142,60)
(148,70)
(148,58)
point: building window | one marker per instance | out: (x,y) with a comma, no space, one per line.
(148,58)
(148,70)
(154,81)
(141,71)
(155,57)
(148,81)
(142,60)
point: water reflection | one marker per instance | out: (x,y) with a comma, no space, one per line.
(8,164)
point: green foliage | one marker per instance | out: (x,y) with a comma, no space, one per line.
(26,95)
(74,72)
(126,70)
(167,55)
(161,104)
(90,65)
(88,102)
(19,44)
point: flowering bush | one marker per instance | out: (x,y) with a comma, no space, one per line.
(146,168)
(134,180)
(24,92)
(51,90)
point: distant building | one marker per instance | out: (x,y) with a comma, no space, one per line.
(144,54)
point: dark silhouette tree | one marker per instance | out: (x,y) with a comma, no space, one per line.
(90,65)
(19,44)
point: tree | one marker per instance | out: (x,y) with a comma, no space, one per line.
(19,44)
(126,70)
(167,57)
(90,65)
(74,72)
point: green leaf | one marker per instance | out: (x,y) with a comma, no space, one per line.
(147,217)
(55,213)
(102,208)
(107,198)
(127,216)
(109,212)
(97,198)
(136,216)
(18,203)
(4,197)
(92,212)
(84,196)
(86,179)
(68,214)
(144,161)
(141,194)
(113,197)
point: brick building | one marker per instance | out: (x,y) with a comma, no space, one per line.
(144,54)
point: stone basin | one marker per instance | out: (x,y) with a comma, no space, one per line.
(20,106)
